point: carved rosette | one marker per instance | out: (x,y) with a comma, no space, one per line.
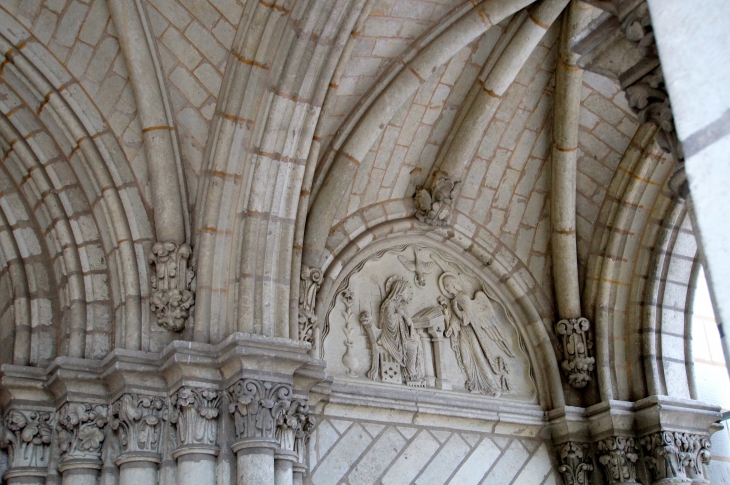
(27,436)
(172,293)
(575,343)
(137,419)
(311,279)
(195,414)
(434,206)
(81,430)
(678,456)
(618,457)
(256,407)
(575,463)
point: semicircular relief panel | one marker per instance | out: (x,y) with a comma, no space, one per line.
(412,312)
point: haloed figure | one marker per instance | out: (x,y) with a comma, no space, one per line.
(398,336)
(471,324)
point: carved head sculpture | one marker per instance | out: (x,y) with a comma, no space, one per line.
(398,289)
(449,285)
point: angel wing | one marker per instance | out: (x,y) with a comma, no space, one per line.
(483,313)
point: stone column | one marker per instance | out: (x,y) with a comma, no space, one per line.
(575,462)
(27,436)
(195,414)
(673,457)
(81,432)
(257,407)
(617,456)
(427,357)
(137,420)
(440,347)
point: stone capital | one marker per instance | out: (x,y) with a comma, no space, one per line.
(575,461)
(81,432)
(137,419)
(618,456)
(27,434)
(195,414)
(257,406)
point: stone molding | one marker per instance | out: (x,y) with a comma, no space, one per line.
(575,462)
(137,419)
(575,344)
(311,280)
(618,456)
(195,414)
(434,206)
(27,436)
(172,294)
(81,431)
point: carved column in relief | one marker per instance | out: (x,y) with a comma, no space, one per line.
(257,407)
(676,458)
(171,281)
(618,455)
(81,432)
(27,436)
(575,462)
(574,344)
(195,416)
(137,419)
(293,429)
(434,206)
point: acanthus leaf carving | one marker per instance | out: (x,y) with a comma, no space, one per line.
(137,419)
(195,415)
(618,456)
(676,455)
(311,280)
(294,426)
(172,294)
(434,206)
(81,430)
(575,344)
(575,462)
(256,407)
(27,436)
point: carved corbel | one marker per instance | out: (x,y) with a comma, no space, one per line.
(81,432)
(575,462)
(676,457)
(311,280)
(27,436)
(173,294)
(137,419)
(256,407)
(618,456)
(195,416)
(575,343)
(434,206)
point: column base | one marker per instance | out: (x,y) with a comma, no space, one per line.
(25,475)
(80,463)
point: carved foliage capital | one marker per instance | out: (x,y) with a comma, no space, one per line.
(195,413)
(618,456)
(171,281)
(434,206)
(81,430)
(575,344)
(256,407)
(137,420)
(27,436)
(575,462)
(677,455)
(311,280)
(294,427)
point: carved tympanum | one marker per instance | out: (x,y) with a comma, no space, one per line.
(256,407)
(137,419)
(618,456)
(434,206)
(575,344)
(81,430)
(27,436)
(311,279)
(575,462)
(172,294)
(676,455)
(195,414)
(473,328)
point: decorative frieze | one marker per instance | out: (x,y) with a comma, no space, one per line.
(256,407)
(574,344)
(81,430)
(195,414)
(575,462)
(172,294)
(27,436)
(311,280)
(137,419)
(434,206)
(618,456)
(676,455)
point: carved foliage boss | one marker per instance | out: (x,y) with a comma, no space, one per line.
(172,293)
(574,344)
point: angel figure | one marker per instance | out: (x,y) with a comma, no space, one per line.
(472,327)
(419,267)
(398,336)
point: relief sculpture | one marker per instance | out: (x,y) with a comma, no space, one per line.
(426,320)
